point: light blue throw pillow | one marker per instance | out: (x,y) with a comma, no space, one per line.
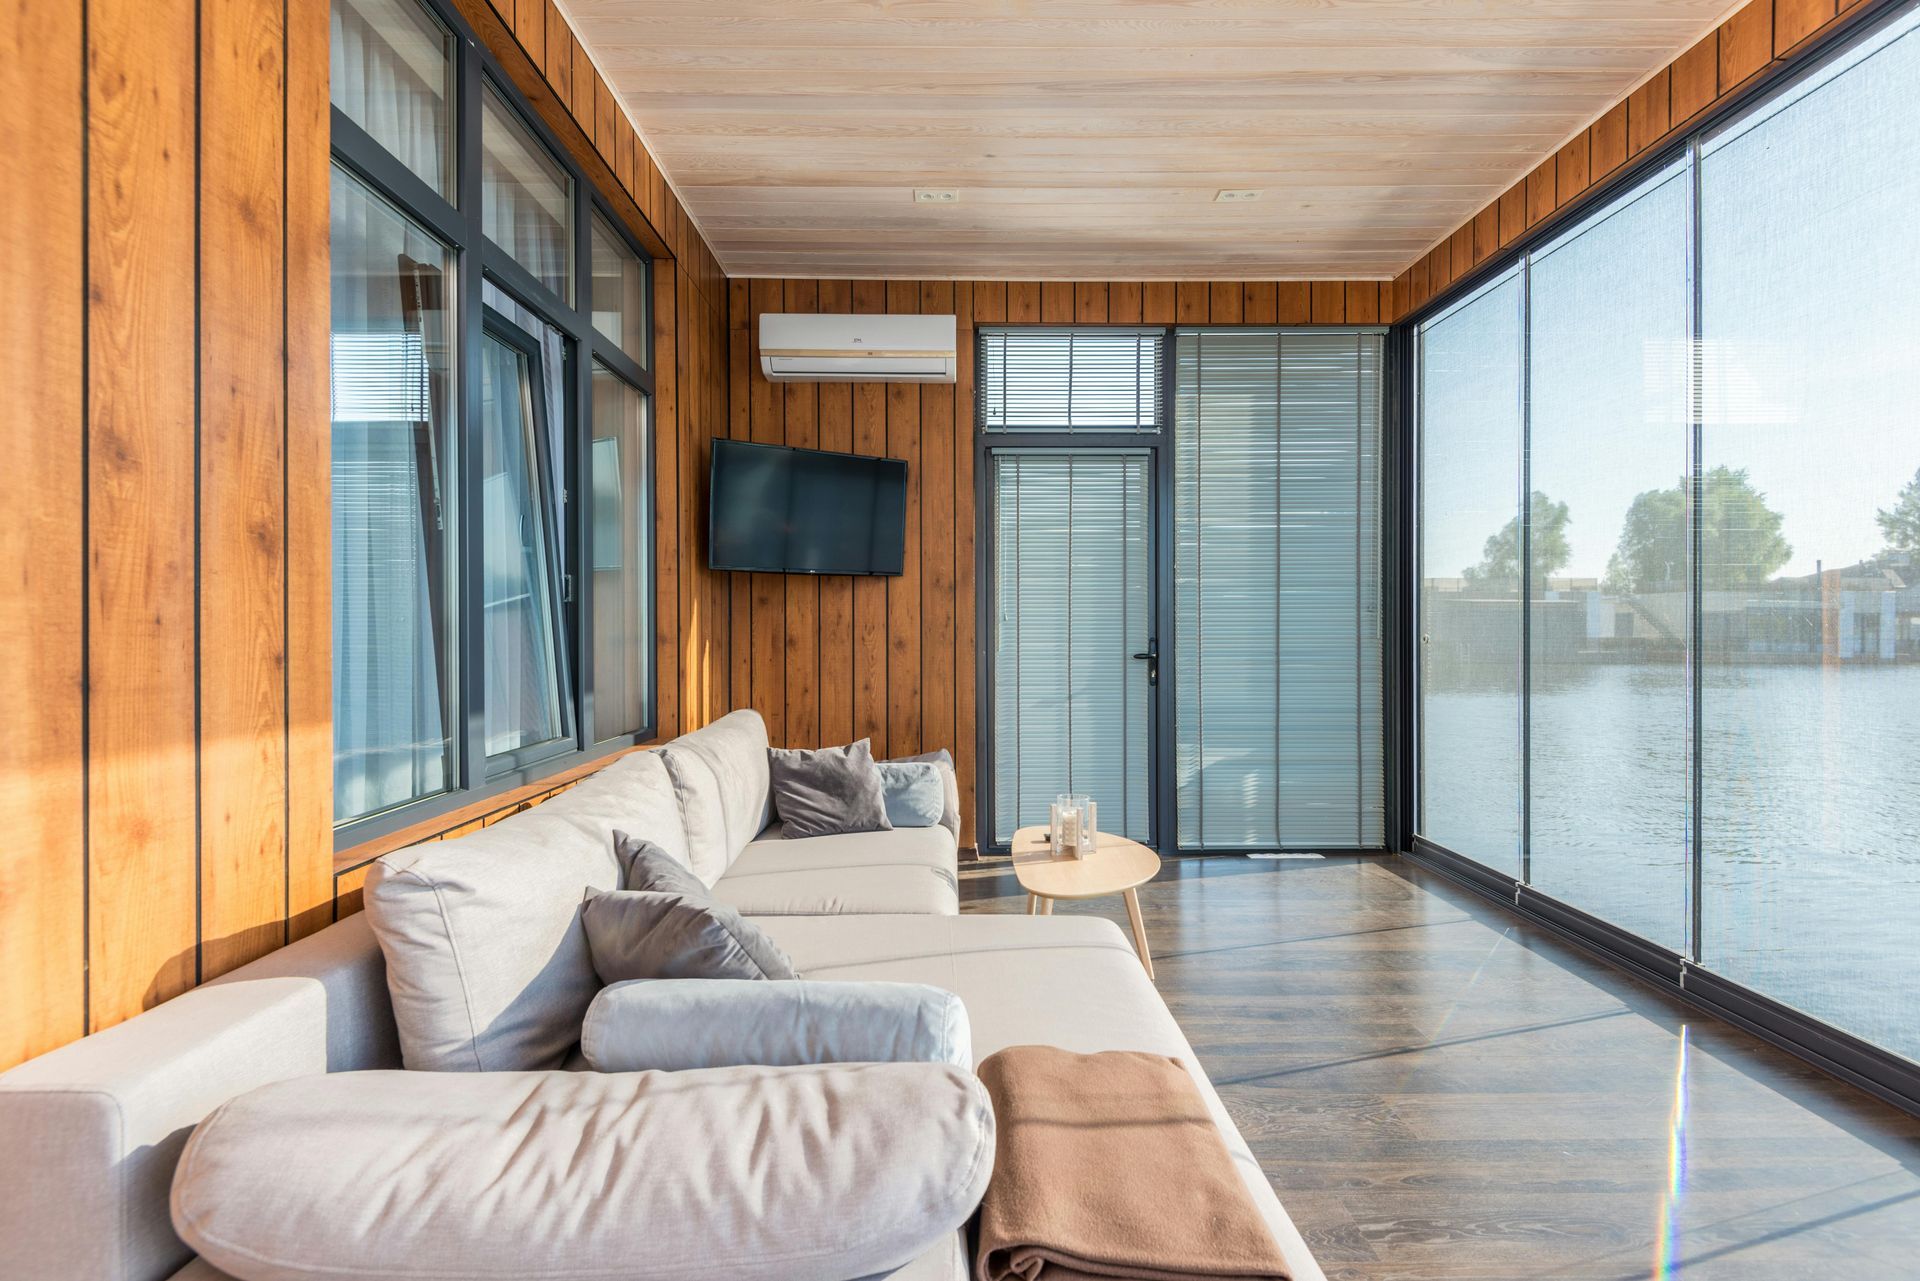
(916,795)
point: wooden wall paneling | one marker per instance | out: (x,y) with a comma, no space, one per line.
(43,539)
(739,614)
(939,577)
(1056,302)
(580,97)
(1420,288)
(1226,306)
(675,625)
(1542,193)
(904,618)
(1363,302)
(802,676)
(1571,165)
(309,466)
(1192,302)
(835,651)
(1329,303)
(1123,302)
(965,488)
(1023,302)
(1486,234)
(1513,213)
(605,124)
(1441,269)
(143,783)
(1090,302)
(767,676)
(1294,302)
(1696,79)
(530,28)
(1402,292)
(1460,251)
(560,57)
(1260,303)
(1607,142)
(989,302)
(1649,112)
(871,683)
(243,483)
(1746,44)
(1158,303)
(1795,20)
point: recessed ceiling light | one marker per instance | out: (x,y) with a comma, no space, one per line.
(1235,195)
(935,196)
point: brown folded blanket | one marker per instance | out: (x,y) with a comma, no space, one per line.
(1108,1165)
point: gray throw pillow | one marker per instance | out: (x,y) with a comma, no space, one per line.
(915,795)
(645,866)
(634,934)
(828,791)
(942,760)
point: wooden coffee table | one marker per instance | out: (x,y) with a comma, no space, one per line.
(1118,866)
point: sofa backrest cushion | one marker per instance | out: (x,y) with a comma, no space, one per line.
(720,777)
(487,960)
(92,1131)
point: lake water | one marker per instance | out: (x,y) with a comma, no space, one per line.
(1810,809)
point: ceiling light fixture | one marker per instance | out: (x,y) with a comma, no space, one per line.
(935,196)
(1235,195)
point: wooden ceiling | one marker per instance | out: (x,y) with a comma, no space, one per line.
(1087,138)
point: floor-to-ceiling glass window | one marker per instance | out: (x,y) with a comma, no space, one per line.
(1609,420)
(490,383)
(1277,666)
(1810,791)
(1720,553)
(1472,621)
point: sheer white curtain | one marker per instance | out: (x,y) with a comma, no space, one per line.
(391,73)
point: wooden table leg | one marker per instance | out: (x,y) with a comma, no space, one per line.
(1046,907)
(1033,905)
(1139,930)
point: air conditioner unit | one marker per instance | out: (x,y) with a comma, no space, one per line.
(835,348)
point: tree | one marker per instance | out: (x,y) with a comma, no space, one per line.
(1901,525)
(1500,558)
(1740,537)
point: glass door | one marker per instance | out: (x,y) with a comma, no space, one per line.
(1075,665)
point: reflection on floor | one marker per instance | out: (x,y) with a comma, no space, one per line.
(1442,1092)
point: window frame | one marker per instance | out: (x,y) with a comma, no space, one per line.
(478,260)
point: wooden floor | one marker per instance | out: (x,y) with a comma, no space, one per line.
(1440,1091)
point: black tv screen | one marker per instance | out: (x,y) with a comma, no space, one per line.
(780,510)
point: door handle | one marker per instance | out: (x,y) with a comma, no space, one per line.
(1152,657)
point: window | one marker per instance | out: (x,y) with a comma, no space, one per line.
(527,197)
(619,292)
(488,438)
(1707,389)
(1278,673)
(391,405)
(1070,379)
(1471,618)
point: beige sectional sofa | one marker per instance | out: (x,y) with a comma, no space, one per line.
(94,1130)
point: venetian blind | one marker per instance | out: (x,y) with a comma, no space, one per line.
(1070,379)
(1277,665)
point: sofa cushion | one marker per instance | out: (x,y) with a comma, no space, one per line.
(632,934)
(645,866)
(827,791)
(942,760)
(911,869)
(914,793)
(673,1025)
(720,779)
(775,1174)
(1070,981)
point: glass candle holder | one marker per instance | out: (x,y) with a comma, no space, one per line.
(1074,825)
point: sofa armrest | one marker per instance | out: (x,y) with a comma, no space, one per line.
(681,1024)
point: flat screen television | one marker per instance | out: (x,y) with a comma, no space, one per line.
(778,510)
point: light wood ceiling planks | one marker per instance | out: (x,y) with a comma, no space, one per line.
(1087,138)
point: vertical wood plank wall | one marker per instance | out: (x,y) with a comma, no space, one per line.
(165,614)
(828,660)
(1762,35)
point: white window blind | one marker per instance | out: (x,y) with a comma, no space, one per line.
(1278,677)
(1070,379)
(1073,601)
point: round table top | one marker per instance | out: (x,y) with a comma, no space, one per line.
(1117,864)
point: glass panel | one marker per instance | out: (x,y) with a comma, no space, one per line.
(526,198)
(391,395)
(392,69)
(1070,380)
(1470,607)
(622,556)
(1277,589)
(1073,590)
(1609,685)
(619,292)
(524,704)
(1811,886)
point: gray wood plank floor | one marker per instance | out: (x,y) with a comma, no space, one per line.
(1439,1091)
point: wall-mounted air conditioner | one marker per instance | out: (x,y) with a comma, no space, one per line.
(835,348)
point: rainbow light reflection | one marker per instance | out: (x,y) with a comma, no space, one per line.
(1666,1246)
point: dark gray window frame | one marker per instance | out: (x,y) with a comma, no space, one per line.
(477,260)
